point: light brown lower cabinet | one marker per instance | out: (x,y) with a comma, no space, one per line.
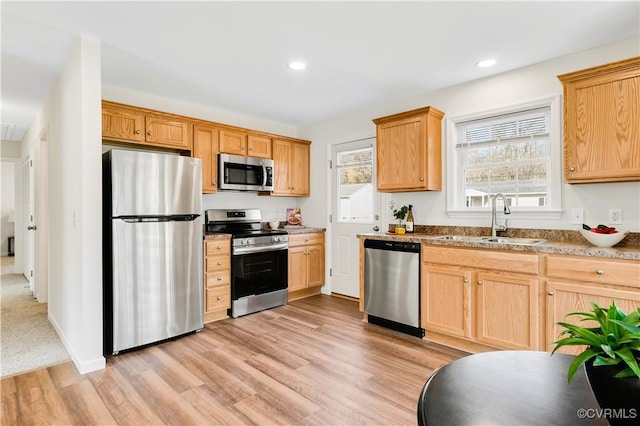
(217,278)
(306,264)
(574,282)
(474,295)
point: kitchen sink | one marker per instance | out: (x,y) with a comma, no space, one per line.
(492,240)
(509,240)
(466,238)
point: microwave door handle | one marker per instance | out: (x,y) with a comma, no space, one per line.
(264,175)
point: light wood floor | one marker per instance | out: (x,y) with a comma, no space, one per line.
(311,362)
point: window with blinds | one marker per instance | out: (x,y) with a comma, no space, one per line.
(508,154)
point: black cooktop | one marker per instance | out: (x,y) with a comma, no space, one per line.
(241,230)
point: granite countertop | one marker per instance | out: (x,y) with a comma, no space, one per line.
(302,229)
(558,242)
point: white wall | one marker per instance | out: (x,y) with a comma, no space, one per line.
(70,118)
(7,203)
(514,87)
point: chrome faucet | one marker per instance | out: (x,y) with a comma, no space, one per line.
(494,220)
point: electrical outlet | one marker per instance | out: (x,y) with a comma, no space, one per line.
(577,216)
(615,216)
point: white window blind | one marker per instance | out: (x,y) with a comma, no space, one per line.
(510,154)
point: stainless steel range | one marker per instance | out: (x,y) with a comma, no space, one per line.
(259,259)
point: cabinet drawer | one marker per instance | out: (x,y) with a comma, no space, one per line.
(598,270)
(217,278)
(217,298)
(498,260)
(217,264)
(306,239)
(217,247)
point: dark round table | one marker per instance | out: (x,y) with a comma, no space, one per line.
(508,388)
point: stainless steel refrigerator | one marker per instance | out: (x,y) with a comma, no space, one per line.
(152,233)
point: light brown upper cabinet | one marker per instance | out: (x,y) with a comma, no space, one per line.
(123,123)
(409,151)
(602,123)
(291,168)
(241,143)
(205,147)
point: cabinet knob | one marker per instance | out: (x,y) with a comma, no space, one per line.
(466,280)
(599,271)
(421,179)
(149,133)
(213,184)
(572,169)
(479,282)
(138,132)
(250,148)
(551,293)
(218,298)
(219,248)
(219,278)
(219,263)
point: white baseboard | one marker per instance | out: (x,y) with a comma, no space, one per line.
(83,366)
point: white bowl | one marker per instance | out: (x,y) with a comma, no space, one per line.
(604,240)
(274,224)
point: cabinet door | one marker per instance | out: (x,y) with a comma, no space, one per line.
(563,298)
(122,123)
(168,132)
(446,300)
(315,269)
(259,146)
(233,142)
(281,160)
(401,157)
(602,130)
(205,147)
(507,311)
(297,268)
(299,169)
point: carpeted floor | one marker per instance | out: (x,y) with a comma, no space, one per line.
(27,338)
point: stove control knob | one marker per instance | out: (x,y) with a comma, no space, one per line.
(276,239)
(243,242)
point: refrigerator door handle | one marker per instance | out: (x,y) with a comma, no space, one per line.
(172,218)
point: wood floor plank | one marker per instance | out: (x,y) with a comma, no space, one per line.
(125,404)
(311,362)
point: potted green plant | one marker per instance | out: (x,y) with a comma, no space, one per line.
(611,356)
(399,214)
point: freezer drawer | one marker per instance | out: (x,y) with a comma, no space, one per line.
(157,289)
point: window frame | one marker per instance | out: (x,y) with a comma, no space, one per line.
(455,204)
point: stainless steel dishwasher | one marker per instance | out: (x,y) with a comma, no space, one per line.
(392,285)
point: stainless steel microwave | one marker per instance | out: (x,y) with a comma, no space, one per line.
(238,173)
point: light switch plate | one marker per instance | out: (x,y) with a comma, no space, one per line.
(577,216)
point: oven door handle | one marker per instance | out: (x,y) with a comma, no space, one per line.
(260,249)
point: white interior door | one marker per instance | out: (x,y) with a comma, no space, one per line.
(355,209)
(29,220)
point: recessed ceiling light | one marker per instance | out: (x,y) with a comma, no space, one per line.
(486,63)
(297,65)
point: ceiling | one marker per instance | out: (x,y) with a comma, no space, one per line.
(233,55)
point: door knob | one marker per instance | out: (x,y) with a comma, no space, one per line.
(31,228)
